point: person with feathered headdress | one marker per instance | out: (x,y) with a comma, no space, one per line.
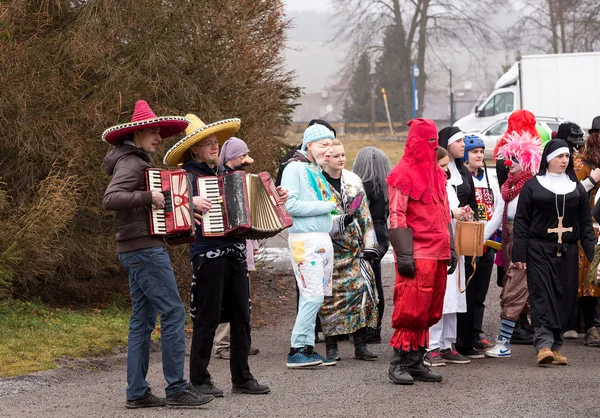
(520,121)
(522,154)
(553,215)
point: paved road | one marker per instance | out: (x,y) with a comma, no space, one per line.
(490,387)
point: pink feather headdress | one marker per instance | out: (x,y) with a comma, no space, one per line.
(526,148)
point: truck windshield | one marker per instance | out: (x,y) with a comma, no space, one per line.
(500,103)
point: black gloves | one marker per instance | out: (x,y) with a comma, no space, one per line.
(453,262)
(371,254)
(348,220)
(402,242)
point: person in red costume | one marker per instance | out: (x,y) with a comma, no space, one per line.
(420,235)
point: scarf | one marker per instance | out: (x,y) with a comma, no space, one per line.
(315,177)
(509,190)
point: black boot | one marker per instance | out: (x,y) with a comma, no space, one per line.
(524,321)
(398,371)
(418,370)
(521,335)
(331,348)
(361,351)
(373,335)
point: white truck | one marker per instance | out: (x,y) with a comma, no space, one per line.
(565,86)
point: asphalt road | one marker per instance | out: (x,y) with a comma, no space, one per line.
(513,387)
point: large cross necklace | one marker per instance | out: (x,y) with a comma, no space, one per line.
(559,230)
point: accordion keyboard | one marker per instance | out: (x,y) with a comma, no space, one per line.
(159,224)
(212,220)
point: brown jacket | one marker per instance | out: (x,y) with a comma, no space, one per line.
(127,196)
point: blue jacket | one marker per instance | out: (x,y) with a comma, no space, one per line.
(309,211)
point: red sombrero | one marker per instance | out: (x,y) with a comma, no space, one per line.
(143,118)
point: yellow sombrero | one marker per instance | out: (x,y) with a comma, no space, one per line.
(196,132)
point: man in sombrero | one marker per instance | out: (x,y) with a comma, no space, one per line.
(219,291)
(151,280)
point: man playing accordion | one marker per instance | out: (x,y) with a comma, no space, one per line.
(220,291)
(151,280)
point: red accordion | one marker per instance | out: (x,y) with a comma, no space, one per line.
(175,221)
(244,205)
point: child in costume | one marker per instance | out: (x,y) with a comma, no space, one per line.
(352,307)
(487,196)
(520,121)
(521,153)
(442,336)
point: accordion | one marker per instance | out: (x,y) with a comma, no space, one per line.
(175,221)
(243,205)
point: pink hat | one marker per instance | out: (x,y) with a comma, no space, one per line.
(143,118)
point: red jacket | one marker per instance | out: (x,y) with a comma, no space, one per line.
(429,222)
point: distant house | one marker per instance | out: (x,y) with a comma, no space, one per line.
(328,104)
(437,103)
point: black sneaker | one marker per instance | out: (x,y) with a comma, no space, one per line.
(188,398)
(148,401)
(471,353)
(251,387)
(209,389)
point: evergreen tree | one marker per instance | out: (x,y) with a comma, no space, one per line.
(391,73)
(358,105)
(71,69)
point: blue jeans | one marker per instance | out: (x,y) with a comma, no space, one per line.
(153,289)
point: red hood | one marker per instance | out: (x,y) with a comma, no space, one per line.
(418,174)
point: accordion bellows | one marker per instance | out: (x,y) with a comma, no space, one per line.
(243,205)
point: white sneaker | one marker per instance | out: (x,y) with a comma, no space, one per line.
(570,335)
(501,349)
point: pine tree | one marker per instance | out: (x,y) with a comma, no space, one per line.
(358,105)
(391,73)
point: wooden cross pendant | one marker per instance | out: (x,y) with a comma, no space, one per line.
(559,230)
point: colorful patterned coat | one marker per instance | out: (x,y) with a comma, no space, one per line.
(583,170)
(353,304)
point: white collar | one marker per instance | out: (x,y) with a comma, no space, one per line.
(557,183)
(455,176)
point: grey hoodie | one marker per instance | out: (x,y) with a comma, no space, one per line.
(126,195)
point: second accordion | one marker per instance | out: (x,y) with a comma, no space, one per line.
(243,205)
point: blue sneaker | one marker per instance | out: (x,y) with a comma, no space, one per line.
(324,360)
(501,349)
(301,359)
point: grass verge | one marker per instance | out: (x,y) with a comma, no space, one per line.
(33,336)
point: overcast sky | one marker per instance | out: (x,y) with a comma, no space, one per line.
(317,5)
(318,63)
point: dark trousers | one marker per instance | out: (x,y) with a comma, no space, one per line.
(221,295)
(480,286)
(587,307)
(470,323)
(376,265)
